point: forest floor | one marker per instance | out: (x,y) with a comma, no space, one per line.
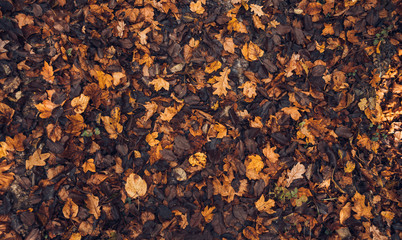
(179,119)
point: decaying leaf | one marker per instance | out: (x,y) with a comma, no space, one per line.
(47,73)
(160,83)
(89,165)
(80,103)
(70,209)
(151,139)
(345,212)
(251,51)
(207,213)
(360,207)
(135,186)
(269,152)
(92,203)
(6,178)
(254,165)
(198,159)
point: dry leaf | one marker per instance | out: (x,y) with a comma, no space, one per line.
(254,165)
(222,83)
(344,214)
(105,80)
(257,10)
(198,159)
(92,203)
(151,139)
(70,209)
(296,173)
(6,178)
(360,207)
(213,66)
(293,112)
(45,108)
(197,7)
(270,153)
(235,25)
(249,89)
(350,166)
(160,83)
(251,51)
(75,236)
(47,73)
(89,165)
(135,186)
(24,20)
(80,103)
(207,213)
(170,112)
(36,159)
(265,206)
(229,45)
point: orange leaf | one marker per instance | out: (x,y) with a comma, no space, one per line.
(297,172)
(270,153)
(80,103)
(105,80)
(258,23)
(251,52)
(6,178)
(207,213)
(344,214)
(75,236)
(3,149)
(92,203)
(254,165)
(36,159)
(23,20)
(46,108)
(89,165)
(293,112)
(53,132)
(197,7)
(151,139)
(16,143)
(198,159)
(249,89)
(360,208)
(47,73)
(235,25)
(160,83)
(265,206)
(213,66)
(257,10)
(70,209)
(229,45)
(170,112)
(135,186)
(328,29)
(222,83)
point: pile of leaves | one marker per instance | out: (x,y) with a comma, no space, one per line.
(181,119)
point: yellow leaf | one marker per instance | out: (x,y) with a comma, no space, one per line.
(37,159)
(258,23)
(105,80)
(207,213)
(235,25)
(320,48)
(293,112)
(254,165)
(47,73)
(135,186)
(350,166)
(80,103)
(213,66)
(70,209)
(198,159)
(197,7)
(92,203)
(117,76)
(75,236)
(151,139)
(270,153)
(89,165)
(222,83)
(6,178)
(221,129)
(251,52)
(160,83)
(265,206)
(257,10)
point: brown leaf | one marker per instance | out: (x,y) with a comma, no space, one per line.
(360,207)
(47,73)
(251,52)
(36,159)
(222,83)
(135,186)
(70,209)
(6,113)
(344,214)
(53,132)
(254,165)
(92,203)
(270,153)
(265,206)
(197,7)
(257,10)
(160,83)
(297,172)
(23,20)
(80,103)
(293,112)
(6,178)
(207,213)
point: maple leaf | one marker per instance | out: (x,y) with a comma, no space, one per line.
(6,113)
(36,159)
(265,206)
(46,108)
(80,103)
(207,213)
(251,52)
(23,20)
(198,159)
(151,139)
(135,186)
(92,203)
(270,153)
(197,7)
(6,178)
(47,73)
(360,208)
(16,143)
(297,172)
(293,112)
(344,214)
(70,209)
(254,165)
(89,165)
(363,104)
(213,66)
(257,10)
(222,83)
(160,83)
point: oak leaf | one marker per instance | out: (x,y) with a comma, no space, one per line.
(117,76)
(270,153)
(360,207)
(257,10)
(36,159)
(89,165)
(222,83)
(47,73)
(297,172)
(251,52)
(160,83)
(135,186)
(92,203)
(80,103)
(198,159)
(328,29)
(70,209)
(197,7)
(249,89)
(207,213)
(265,206)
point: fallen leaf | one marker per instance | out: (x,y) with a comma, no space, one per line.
(296,173)
(207,213)
(198,159)
(229,45)
(257,10)
(105,80)
(222,83)
(70,209)
(350,166)
(170,112)
(251,52)
(249,89)
(47,73)
(6,178)
(36,159)
(360,207)
(92,203)
(75,236)
(213,66)
(89,165)
(197,7)
(45,108)
(270,153)
(23,20)
(293,112)
(160,83)
(80,103)
(151,139)
(265,206)
(344,214)
(135,186)
(254,165)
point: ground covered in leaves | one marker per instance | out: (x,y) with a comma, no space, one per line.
(180,119)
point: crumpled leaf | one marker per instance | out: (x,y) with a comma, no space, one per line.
(344,214)
(296,173)
(265,206)
(257,10)
(151,139)
(270,153)
(92,203)
(45,108)
(70,209)
(24,20)
(254,165)
(80,103)
(198,159)
(197,7)
(135,186)
(251,51)
(207,213)
(213,66)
